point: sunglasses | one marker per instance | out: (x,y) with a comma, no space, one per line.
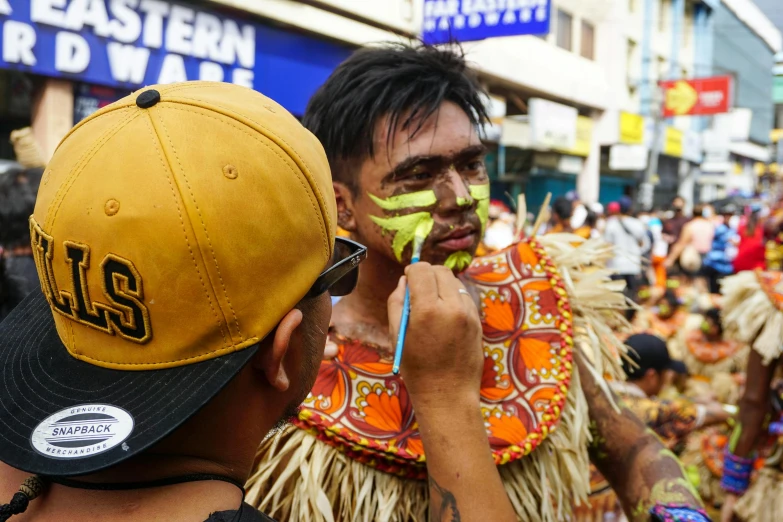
(341,277)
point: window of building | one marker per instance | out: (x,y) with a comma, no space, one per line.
(565,30)
(663,14)
(687,27)
(663,67)
(588,40)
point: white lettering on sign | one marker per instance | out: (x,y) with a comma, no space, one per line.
(126,26)
(180,30)
(18,42)
(243,77)
(48,12)
(88,12)
(153,23)
(711,98)
(128,63)
(210,72)
(134,30)
(206,37)
(72,53)
(172,70)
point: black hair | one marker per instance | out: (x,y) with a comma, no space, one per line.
(407,84)
(591,219)
(562,208)
(18,188)
(713,314)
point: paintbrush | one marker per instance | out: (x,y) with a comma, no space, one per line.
(422,231)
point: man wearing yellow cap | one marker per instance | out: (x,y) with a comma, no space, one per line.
(183,312)
(400,128)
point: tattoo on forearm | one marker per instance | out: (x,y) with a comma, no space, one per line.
(443,504)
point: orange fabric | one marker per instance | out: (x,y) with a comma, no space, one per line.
(359,406)
(660,271)
(583,232)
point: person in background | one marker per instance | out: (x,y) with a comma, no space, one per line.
(650,368)
(18,276)
(629,237)
(672,227)
(658,252)
(578,210)
(695,239)
(717,262)
(750,253)
(562,210)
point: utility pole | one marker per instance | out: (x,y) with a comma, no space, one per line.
(646,189)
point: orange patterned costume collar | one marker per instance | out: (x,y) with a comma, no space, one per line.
(359,406)
(772,284)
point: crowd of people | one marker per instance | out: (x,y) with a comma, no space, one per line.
(190,345)
(704,245)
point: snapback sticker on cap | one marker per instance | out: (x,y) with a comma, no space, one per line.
(82,431)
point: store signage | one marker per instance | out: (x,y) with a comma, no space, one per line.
(628,157)
(699,96)
(691,146)
(631,128)
(131,43)
(467,20)
(584,137)
(672,142)
(552,125)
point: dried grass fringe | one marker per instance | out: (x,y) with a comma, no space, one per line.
(298,477)
(735,363)
(750,316)
(763,502)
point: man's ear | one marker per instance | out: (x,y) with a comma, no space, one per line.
(270,361)
(346,214)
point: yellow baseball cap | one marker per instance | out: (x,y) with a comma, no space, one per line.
(173,230)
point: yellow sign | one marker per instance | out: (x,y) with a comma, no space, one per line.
(631,128)
(760,168)
(584,137)
(681,98)
(776,135)
(672,145)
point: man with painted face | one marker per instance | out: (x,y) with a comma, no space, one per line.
(400,128)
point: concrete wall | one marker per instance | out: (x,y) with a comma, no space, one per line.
(741,52)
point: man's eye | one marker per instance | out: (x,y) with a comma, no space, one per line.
(420,175)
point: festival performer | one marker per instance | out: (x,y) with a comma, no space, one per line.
(413,161)
(753,313)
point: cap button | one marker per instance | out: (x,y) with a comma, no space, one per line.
(148,98)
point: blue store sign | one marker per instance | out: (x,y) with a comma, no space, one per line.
(465,20)
(127,44)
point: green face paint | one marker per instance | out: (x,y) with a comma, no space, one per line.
(425,198)
(458,260)
(405,228)
(481,194)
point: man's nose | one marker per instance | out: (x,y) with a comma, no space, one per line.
(454,191)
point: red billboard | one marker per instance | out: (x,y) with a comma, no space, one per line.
(699,96)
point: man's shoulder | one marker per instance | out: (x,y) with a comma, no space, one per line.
(245,513)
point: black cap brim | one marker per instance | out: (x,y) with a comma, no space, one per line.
(39,378)
(678,367)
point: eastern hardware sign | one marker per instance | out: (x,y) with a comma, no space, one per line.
(466,20)
(700,96)
(131,43)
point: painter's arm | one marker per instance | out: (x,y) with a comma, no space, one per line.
(631,457)
(442,366)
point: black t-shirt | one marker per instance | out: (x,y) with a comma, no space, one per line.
(245,513)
